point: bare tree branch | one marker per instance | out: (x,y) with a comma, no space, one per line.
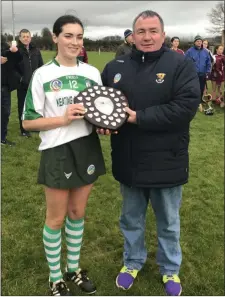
(216,17)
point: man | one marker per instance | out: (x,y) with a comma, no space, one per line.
(32,60)
(126,47)
(10,57)
(175,41)
(83,57)
(202,61)
(150,151)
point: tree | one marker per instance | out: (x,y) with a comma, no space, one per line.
(216,17)
(112,38)
(47,38)
(167,41)
(37,40)
(3,38)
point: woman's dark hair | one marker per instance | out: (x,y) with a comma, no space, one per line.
(63,20)
(173,38)
(216,48)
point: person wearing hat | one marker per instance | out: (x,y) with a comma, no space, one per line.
(201,58)
(126,46)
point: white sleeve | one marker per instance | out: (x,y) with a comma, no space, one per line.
(99,79)
(35,99)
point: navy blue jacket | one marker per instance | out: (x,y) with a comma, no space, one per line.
(9,76)
(32,60)
(163,88)
(201,59)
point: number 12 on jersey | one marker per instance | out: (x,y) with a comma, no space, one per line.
(73,84)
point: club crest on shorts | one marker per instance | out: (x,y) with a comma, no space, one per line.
(117,78)
(160,77)
(56,85)
(91,169)
(68,175)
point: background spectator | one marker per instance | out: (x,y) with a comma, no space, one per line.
(32,60)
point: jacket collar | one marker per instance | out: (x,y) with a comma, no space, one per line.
(22,46)
(197,48)
(141,56)
(127,43)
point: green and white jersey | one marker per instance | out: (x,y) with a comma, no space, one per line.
(51,89)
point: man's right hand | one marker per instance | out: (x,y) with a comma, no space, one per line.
(3,60)
(13,49)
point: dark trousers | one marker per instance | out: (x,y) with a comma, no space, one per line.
(202,81)
(21,95)
(5,110)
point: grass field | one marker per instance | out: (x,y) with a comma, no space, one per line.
(24,268)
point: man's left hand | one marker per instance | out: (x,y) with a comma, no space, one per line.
(132,115)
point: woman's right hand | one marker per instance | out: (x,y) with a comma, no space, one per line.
(74,112)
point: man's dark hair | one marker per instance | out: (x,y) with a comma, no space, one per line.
(63,20)
(149,14)
(173,38)
(23,31)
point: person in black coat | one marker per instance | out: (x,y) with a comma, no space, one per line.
(10,57)
(32,60)
(126,46)
(150,151)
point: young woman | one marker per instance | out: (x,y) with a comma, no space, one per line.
(175,41)
(205,45)
(71,153)
(217,74)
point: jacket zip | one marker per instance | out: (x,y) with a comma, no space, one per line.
(133,177)
(29,60)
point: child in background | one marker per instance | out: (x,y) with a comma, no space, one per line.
(175,41)
(205,45)
(217,76)
(83,57)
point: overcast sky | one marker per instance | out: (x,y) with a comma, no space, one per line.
(103,18)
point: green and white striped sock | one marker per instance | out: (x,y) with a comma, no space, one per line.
(52,245)
(74,234)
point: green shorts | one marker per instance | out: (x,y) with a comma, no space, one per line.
(73,164)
